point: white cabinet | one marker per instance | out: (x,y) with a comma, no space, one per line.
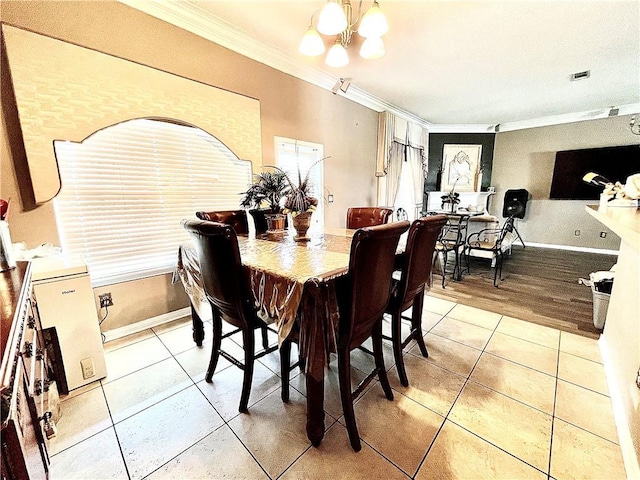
(66,304)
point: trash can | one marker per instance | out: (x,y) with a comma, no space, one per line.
(601,284)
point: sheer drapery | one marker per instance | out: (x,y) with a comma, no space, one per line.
(401,144)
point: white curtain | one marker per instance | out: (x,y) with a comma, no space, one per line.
(401,144)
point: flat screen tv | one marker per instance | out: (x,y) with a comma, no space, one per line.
(614,163)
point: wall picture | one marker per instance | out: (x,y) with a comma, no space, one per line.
(461,168)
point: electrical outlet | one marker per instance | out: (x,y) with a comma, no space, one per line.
(88,369)
(576,233)
(603,234)
(105,300)
(330,198)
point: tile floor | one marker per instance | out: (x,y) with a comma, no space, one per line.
(496,398)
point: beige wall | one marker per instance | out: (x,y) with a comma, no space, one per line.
(288,108)
(525,159)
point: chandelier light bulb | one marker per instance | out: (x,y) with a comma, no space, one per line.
(337,56)
(372,47)
(311,44)
(373,23)
(332,19)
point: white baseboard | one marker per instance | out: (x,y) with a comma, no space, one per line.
(629,455)
(144,324)
(601,251)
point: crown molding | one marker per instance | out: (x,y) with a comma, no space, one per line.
(195,19)
(614,111)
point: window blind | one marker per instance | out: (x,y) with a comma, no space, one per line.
(294,154)
(126,189)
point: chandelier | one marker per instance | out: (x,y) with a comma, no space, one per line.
(337,18)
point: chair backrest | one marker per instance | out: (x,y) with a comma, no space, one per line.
(225,282)
(401,214)
(371,264)
(360,217)
(236,218)
(454,231)
(416,271)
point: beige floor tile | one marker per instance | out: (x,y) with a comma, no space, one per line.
(334,459)
(401,429)
(476,316)
(129,395)
(529,386)
(437,305)
(80,390)
(156,435)
(580,346)
(131,358)
(225,389)
(531,332)
(96,457)
(458,454)
(510,425)
(195,361)
(274,431)
(429,320)
(82,417)
(525,353)
(586,409)
(218,455)
(429,385)
(583,372)
(332,402)
(463,332)
(450,355)
(178,339)
(128,340)
(580,455)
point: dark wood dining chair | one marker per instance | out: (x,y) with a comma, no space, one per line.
(415,280)
(490,240)
(360,217)
(363,295)
(236,218)
(227,288)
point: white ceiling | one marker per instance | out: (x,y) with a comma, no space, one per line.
(474,63)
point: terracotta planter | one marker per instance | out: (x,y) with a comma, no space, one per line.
(260,220)
(277,222)
(301,223)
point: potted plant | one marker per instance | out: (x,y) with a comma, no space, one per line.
(268,188)
(452,198)
(300,204)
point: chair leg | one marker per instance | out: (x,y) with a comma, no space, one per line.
(216,343)
(248,338)
(285,368)
(416,323)
(442,257)
(376,340)
(265,337)
(344,375)
(396,340)
(498,268)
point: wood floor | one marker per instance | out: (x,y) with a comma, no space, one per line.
(540,286)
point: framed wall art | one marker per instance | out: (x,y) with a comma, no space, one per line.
(461,168)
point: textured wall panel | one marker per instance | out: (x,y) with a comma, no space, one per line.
(67,92)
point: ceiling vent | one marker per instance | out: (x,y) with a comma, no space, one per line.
(580,75)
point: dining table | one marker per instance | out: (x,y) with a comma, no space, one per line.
(292,283)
